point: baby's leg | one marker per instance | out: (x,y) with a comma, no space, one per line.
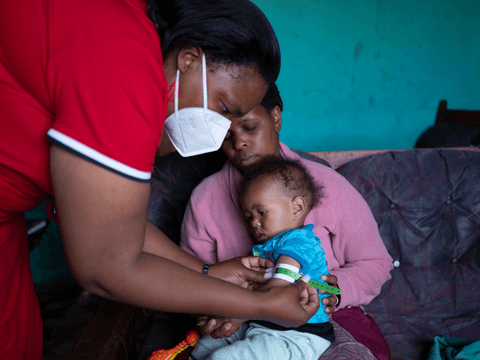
(265,344)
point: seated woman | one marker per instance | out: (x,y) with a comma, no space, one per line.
(213,227)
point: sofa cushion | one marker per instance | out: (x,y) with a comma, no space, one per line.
(311,157)
(427,206)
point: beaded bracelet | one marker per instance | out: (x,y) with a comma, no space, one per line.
(205,268)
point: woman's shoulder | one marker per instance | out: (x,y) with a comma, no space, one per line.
(317,167)
(214,186)
(324,175)
(207,186)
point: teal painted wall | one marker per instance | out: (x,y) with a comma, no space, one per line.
(360,74)
(47,261)
(355,75)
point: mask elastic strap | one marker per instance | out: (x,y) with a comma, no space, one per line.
(204,75)
(177,81)
(204,78)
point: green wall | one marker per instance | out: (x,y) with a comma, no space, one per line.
(355,75)
(362,74)
(47,260)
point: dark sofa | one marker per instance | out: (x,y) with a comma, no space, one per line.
(427,205)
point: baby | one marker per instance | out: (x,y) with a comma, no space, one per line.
(276,197)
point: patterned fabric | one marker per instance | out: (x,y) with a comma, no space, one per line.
(345,347)
(364,329)
(256,342)
(427,206)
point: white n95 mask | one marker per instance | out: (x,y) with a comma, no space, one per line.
(195,130)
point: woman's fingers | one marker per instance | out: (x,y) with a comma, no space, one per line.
(219,327)
(240,270)
(308,295)
(232,271)
(226,330)
(203,320)
(254,276)
(332,300)
(206,327)
(330,280)
(292,305)
(256,262)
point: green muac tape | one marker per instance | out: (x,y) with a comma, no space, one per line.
(314,283)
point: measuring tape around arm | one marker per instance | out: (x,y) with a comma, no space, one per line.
(314,283)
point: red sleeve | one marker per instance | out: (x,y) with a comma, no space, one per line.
(109,95)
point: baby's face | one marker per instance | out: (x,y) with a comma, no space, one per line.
(267,209)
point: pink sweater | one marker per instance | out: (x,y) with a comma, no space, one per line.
(214,230)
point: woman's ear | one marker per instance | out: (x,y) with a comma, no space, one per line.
(277,118)
(188,58)
(299,207)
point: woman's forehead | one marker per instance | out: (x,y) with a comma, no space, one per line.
(240,89)
(236,71)
(259,113)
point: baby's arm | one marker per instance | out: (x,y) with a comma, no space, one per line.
(282,259)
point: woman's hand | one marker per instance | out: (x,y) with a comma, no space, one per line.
(331,300)
(241,271)
(279,303)
(218,327)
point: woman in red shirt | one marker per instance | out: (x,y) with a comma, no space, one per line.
(83,90)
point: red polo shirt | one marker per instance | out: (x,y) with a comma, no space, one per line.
(90,75)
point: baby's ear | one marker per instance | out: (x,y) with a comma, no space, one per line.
(299,207)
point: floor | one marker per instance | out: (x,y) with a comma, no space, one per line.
(66,310)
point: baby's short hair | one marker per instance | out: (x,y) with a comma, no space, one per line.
(293,175)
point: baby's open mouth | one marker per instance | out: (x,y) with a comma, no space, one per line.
(260,236)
